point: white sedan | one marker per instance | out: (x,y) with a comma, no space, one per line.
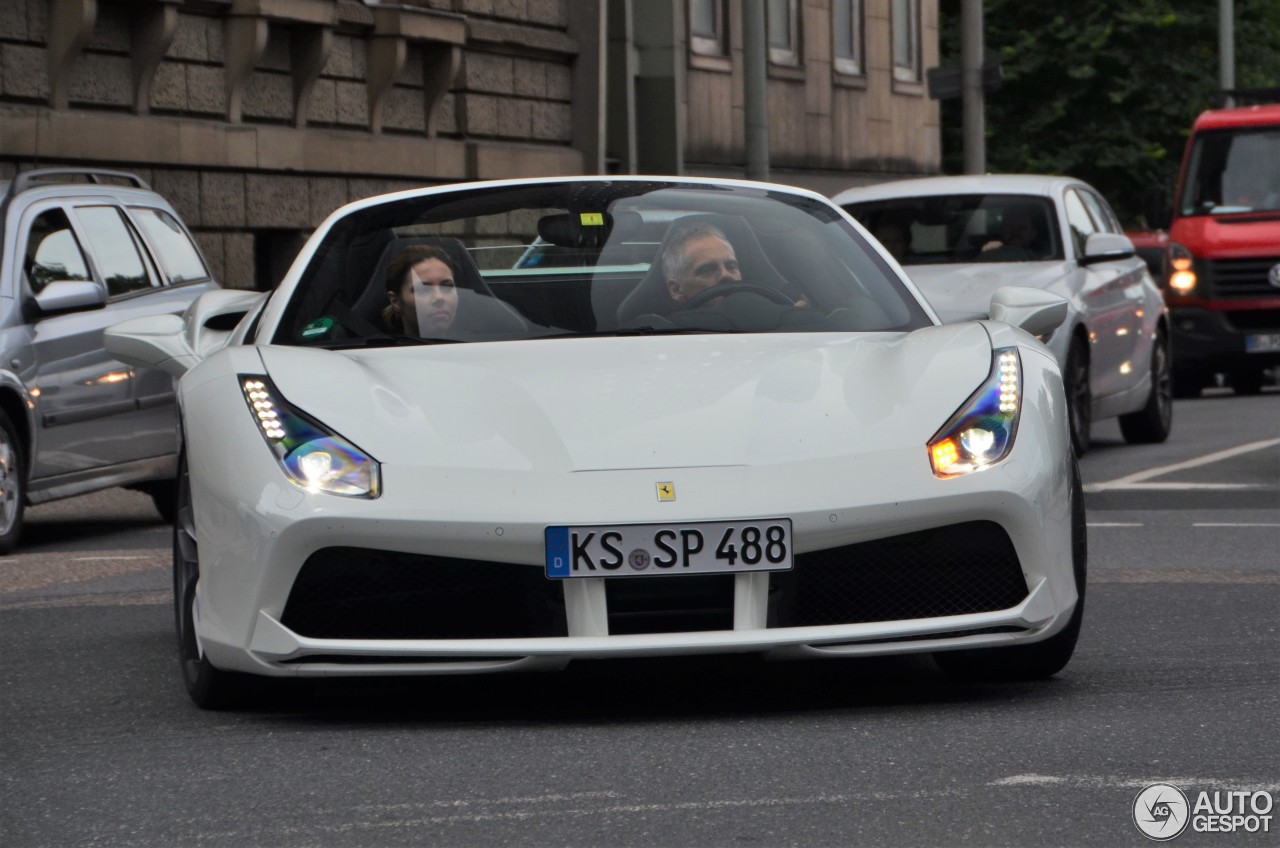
(699,417)
(961,238)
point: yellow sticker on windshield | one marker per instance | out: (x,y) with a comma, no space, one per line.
(591,219)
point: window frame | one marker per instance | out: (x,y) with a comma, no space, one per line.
(715,45)
(791,56)
(152,271)
(1077,237)
(906,72)
(133,211)
(33,214)
(855,65)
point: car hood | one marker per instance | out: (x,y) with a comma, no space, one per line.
(963,292)
(634,403)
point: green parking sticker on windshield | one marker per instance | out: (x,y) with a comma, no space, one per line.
(317,329)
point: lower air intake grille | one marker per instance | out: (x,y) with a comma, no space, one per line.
(956,570)
(358,593)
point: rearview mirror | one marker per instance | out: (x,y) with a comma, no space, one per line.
(1106,247)
(1034,310)
(68,295)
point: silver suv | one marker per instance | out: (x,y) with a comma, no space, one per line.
(81,250)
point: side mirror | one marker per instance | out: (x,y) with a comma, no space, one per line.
(153,341)
(69,295)
(1034,310)
(1106,247)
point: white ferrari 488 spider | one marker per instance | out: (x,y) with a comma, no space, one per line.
(504,426)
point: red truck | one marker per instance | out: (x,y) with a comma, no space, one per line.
(1223,286)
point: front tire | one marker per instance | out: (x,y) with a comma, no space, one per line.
(13,485)
(211,688)
(1079,395)
(1152,423)
(1048,656)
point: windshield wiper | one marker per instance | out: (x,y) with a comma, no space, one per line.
(386,341)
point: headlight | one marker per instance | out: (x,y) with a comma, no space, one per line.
(981,433)
(1182,279)
(311,456)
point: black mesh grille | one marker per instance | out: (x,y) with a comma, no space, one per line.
(357,593)
(956,570)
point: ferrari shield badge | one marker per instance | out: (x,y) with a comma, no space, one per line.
(666,491)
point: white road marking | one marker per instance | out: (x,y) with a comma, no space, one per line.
(104,558)
(1113,524)
(1129,481)
(1233,578)
(1116,782)
(1170,487)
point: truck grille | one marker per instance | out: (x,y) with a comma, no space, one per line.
(1229,278)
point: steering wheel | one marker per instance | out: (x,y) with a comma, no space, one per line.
(728,289)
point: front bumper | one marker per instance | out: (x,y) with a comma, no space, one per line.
(1207,341)
(252,559)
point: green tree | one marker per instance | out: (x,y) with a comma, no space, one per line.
(1104,90)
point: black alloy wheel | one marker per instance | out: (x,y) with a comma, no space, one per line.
(13,478)
(1154,421)
(209,687)
(1079,395)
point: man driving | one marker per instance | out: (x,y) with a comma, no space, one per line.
(697,257)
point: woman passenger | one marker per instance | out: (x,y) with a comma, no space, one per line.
(422,299)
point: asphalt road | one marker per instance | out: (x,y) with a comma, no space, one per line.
(1176,679)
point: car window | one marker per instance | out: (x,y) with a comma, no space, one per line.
(53,252)
(115,250)
(962,228)
(178,256)
(1082,225)
(1102,214)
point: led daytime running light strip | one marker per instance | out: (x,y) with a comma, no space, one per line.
(1008,364)
(255,392)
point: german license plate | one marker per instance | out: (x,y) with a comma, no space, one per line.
(1262,343)
(635,550)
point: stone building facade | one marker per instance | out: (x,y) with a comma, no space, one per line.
(257,118)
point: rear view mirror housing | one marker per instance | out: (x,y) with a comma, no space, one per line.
(1034,310)
(69,296)
(1106,247)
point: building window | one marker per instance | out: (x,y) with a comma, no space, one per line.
(847,33)
(784,32)
(906,40)
(708,28)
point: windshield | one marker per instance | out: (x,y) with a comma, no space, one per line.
(1233,171)
(591,257)
(963,228)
